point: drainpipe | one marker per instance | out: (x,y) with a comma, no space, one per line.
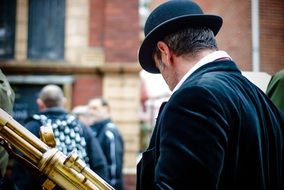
(255,35)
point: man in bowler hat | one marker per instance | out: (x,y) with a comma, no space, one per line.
(217,130)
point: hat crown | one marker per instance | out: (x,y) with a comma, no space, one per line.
(168,18)
(170,10)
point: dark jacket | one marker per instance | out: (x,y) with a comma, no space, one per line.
(112,144)
(218,131)
(97,161)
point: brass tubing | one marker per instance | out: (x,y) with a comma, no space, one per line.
(29,137)
(7,120)
(96,179)
(27,149)
(73,161)
(67,178)
(69,173)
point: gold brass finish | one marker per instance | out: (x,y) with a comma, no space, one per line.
(47,136)
(68,172)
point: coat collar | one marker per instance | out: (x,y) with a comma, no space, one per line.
(226,66)
(218,66)
(98,126)
(214,56)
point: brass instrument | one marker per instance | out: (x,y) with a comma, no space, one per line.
(68,172)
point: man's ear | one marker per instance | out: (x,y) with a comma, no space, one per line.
(40,104)
(166,54)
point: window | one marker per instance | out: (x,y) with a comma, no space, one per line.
(46,29)
(7,28)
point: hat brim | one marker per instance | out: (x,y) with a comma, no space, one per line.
(145,52)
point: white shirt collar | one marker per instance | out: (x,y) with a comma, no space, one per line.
(207,59)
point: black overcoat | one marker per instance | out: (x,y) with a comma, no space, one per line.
(217,131)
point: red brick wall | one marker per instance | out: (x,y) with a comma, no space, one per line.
(96,26)
(129,181)
(85,88)
(235,34)
(114,25)
(271,35)
(121,37)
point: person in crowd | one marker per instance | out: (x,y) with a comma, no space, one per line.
(110,139)
(82,112)
(217,130)
(7,98)
(275,89)
(70,135)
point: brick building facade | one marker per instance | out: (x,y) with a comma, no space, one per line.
(101,38)
(236,34)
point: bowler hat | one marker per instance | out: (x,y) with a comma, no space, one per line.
(170,17)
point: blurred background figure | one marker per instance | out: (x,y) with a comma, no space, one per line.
(7,98)
(70,135)
(82,112)
(275,89)
(110,139)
